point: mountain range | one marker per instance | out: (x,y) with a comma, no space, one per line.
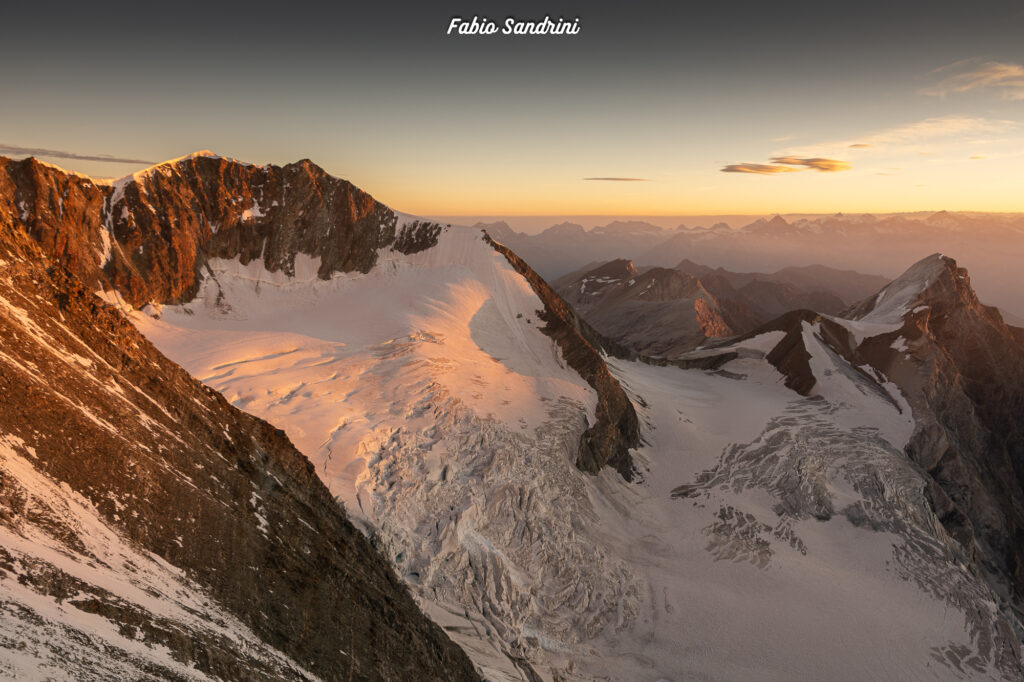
(665,311)
(991,245)
(258,425)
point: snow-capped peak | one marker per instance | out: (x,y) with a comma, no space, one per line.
(894,301)
(164,165)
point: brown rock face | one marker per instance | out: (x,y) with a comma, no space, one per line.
(659,312)
(149,236)
(711,322)
(176,470)
(963,373)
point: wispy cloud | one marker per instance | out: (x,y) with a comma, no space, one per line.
(788,164)
(816,163)
(973,74)
(59,154)
(934,128)
(909,138)
(931,138)
(618,179)
(759,168)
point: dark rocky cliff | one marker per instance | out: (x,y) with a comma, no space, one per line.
(961,367)
(607,442)
(180,473)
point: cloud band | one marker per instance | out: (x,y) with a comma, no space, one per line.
(618,179)
(58,154)
(788,164)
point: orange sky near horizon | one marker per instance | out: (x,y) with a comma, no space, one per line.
(659,109)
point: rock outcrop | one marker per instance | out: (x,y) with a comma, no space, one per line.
(790,355)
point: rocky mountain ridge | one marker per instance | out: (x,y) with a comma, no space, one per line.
(928,339)
(962,370)
(148,235)
(663,312)
(990,244)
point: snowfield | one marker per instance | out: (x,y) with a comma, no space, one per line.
(771,537)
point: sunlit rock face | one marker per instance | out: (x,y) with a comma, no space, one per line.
(660,312)
(150,234)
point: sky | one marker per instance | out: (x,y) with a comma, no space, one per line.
(651,109)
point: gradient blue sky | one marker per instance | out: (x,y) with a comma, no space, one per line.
(671,93)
